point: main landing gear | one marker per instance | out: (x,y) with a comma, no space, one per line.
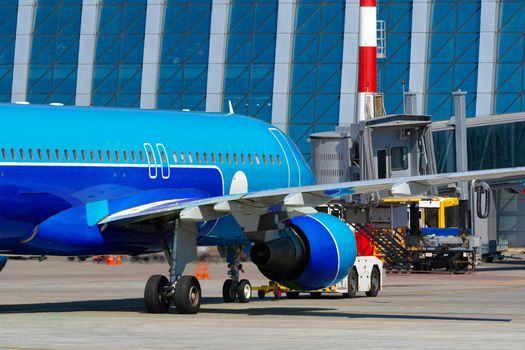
(184,291)
(234,287)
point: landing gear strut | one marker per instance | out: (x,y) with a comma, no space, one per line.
(184,291)
(234,287)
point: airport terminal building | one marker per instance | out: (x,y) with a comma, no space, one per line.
(289,62)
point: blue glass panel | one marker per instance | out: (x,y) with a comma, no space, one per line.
(119,53)
(248,80)
(54,52)
(453,55)
(316,70)
(184,55)
(395,68)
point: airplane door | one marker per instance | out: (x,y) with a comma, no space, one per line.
(164,162)
(290,158)
(152,161)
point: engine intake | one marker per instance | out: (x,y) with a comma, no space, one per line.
(312,252)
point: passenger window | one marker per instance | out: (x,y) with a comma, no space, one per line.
(190,157)
(31,154)
(108,153)
(174,157)
(125,154)
(150,156)
(271,159)
(141,156)
(66,154)
(228,160)
(100,155)
(213,157)
(92,155)
(182,158)
(205,156)
(133,156)
(220,158)
(242,159)
(75,154)
(13,154)
(257,160)
(250,159)
(117,156)
(4,153)
(264,159)
(279,159)
(40,154)
(198,157)
(235,159)
(49,154)
(83,152)
(22,155)
(57,154)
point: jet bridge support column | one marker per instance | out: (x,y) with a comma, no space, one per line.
(460,116)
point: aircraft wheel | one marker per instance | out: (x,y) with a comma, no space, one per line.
(352,284)
(261,294)
(245,291)
(315,295)
(228,294)
(188,295)
(155,298)
(375,283)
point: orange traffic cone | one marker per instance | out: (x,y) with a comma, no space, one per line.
(119,260)
(110,260)
(201,272)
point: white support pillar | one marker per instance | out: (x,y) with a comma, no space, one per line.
(86,51)
(24,34)
(487,57)
(151,59)
(347,103)
(282,75)
(421,22)
(220,18)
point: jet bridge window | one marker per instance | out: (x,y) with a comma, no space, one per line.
(399,158)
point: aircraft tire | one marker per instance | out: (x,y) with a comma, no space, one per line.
(315,295)
(228,294)
(188,295)
(244,291)
(154,300)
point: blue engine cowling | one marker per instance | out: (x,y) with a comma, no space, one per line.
(312,252)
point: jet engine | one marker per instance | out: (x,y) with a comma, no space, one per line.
(312,252)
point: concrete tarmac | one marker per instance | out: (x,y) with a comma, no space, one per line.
(57,304)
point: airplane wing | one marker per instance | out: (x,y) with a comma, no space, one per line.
(296,198)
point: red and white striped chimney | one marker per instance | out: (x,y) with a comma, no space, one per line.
(367,81)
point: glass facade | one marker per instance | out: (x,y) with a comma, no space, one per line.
(510,71)
(54,52)
(395,68)
(452,55)
(7,47)
(117,74)
(250,56)
(183,70)
(316,70)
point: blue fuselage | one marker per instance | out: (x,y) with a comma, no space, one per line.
(62,169)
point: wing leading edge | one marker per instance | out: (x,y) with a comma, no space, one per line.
(297,197)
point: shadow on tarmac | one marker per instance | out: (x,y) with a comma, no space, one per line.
(137,305)
(508,265)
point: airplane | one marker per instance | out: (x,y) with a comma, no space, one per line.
(80,181)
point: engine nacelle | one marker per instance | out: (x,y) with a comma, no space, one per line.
(312,252)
